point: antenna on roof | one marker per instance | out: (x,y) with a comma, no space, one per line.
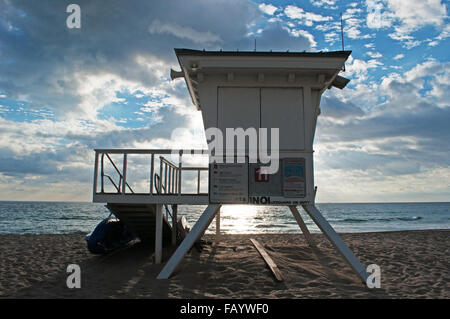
(342,39)
(342,34)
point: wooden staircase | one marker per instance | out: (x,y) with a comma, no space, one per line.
(141,219)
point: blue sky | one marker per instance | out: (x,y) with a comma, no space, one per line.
(63,92)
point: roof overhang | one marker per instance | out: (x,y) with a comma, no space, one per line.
(195,62)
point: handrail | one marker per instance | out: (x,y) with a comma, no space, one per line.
(165,160)
(174,151)
(118,172)
(157,185)
(121,179)
(151,151)
(167,181)
(112,181)
(171,172)
(157,191)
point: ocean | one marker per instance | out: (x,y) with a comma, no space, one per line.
(71,217)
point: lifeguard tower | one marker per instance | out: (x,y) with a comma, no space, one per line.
(277,91)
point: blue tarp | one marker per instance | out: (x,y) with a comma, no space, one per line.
(110,234)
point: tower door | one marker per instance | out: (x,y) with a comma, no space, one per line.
(283,108)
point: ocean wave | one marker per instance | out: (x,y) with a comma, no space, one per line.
(380,219)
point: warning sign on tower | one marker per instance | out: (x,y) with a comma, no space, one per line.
(228,183)
(294,177)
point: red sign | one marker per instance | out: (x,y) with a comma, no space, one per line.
(260,178)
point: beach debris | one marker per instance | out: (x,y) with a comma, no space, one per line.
(273,267)
(183,228)
(201,244)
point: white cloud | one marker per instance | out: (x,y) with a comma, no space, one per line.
(306,34)
(444,34)
(332,37)
(416,13)
(440,83)
(184,32)
(353,32)
(377,14)
(374,55)
(96,91)
(308,18)
(407,40)
(344,185)
(328,4)
(359,68)
(406,16)
(330,30)
(399,56)
(267,8)
(412,14)
(352,23)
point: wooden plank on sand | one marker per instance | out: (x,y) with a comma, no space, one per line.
(273,267)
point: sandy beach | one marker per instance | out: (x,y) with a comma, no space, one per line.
(414,264)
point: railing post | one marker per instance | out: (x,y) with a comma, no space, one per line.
(160,174)
(176,180)
(103,173)
(172,180)
(95,174)
(180,169)
(198,182)
(165,177)
(124,173)
(152,165)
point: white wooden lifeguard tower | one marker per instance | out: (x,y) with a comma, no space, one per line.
(240,90)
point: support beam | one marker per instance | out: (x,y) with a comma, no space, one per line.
(302,225)
(336,240)
(217,227)
(158,234)
(200,226)
(174,224)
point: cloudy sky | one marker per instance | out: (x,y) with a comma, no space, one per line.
(64,92)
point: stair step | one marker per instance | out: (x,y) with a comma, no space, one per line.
(141,219)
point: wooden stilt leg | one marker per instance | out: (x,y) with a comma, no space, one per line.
(302,225)
(336,240)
